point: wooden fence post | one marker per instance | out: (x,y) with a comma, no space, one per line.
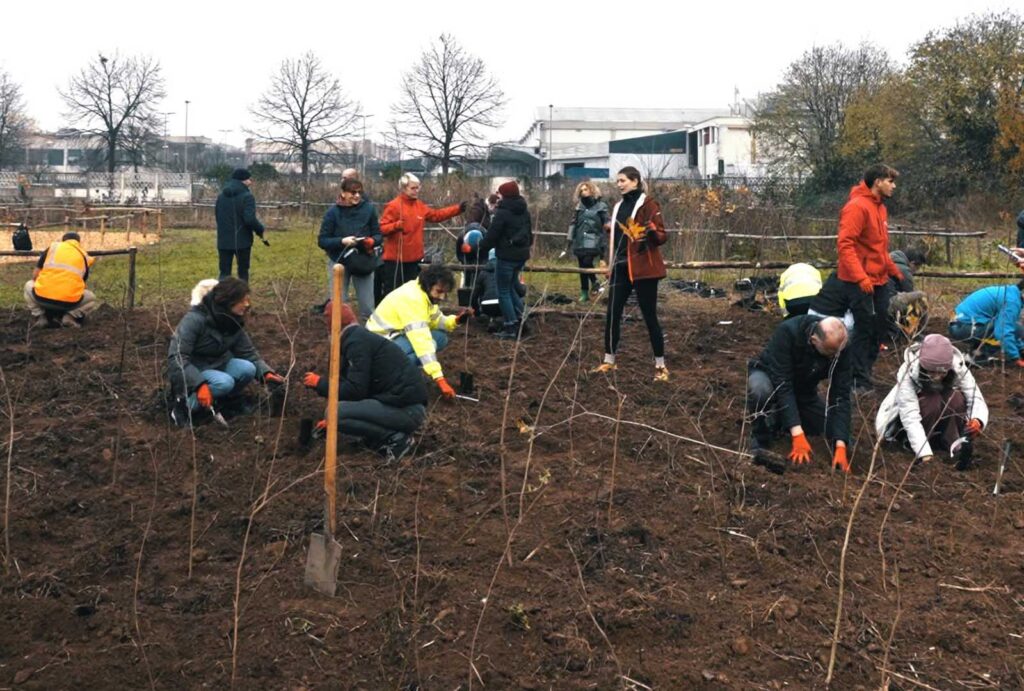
(132,252)
(949,251)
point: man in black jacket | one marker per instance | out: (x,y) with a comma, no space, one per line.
(782,389)
(236,223)
(381,394)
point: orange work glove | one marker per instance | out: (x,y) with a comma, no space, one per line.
(1020,363)
(204,395)
(974,427)
(273,378)
(467,248)
(839,459)
(446,389)
(866,286)
(311,380)
(801,452)
(367,243)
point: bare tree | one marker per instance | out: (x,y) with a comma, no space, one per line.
(13,121)
(304,111)
(447,99)
(801,122)
(140,140)
(111,93)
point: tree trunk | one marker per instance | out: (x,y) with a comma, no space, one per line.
(305,162)
(111,155)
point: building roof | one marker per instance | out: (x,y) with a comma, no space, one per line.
(736,121)
(620,118)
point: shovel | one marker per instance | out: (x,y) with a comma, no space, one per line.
(218,418)
(324,551)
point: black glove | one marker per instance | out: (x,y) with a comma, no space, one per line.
(462,207)
(265,241)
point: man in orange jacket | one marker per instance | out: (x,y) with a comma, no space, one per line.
(401,224)
(865,266)
(57,290)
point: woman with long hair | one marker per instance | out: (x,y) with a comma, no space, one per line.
(587,238)
(637,231)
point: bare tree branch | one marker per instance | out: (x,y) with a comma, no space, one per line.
(109,94)
(447,100)
(304,111)
(13,121)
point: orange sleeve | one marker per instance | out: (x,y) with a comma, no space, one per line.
(851,222)
(442,214)
(391,218)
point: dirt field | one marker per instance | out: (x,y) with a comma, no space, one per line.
(637,559)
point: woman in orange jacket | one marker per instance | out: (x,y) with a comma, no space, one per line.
(401,224)
(637,231)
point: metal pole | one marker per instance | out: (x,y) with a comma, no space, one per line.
(186,137)
(551,118)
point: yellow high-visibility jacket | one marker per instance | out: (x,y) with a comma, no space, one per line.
(408,310)
(62,278)
(798,281)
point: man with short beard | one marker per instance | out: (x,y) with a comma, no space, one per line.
(411,317)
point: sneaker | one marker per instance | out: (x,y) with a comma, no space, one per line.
(509,332)
(396,447)
(660,374)
(604,368)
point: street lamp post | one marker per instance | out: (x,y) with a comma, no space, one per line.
(186,136)
(166,147)
(551,111)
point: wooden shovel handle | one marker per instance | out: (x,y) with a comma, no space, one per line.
(331,459)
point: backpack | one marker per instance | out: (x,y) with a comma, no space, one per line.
(21,240)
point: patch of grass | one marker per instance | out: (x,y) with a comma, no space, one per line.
(167,271)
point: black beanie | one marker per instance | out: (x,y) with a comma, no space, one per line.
(241,174)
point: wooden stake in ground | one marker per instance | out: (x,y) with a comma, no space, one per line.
(324,551)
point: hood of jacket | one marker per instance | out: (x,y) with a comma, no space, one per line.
(234,188)
(201,290)
(514,205)
(861,190)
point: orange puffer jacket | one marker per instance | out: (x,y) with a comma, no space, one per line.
(402,223)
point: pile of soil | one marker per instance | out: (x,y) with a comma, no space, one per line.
(635,557)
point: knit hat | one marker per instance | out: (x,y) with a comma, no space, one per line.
(936,354)
(509,189)
(241,174)
(348,317)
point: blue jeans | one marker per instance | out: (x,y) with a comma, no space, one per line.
(440,341)
(364,289)
(506,274)
(235,376)
(972,334)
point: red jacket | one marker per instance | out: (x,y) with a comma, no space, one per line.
(402,223)
(646,264)
(864,239)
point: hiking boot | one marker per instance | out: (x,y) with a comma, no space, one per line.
(509,332)
(768,460)
(69,321)
(604,368)
(396,447)
(180,414)
(42,322)
(661,374)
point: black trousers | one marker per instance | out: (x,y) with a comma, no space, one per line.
(393,274)
(225,257)
(620,288)
(764,411)
(587,281)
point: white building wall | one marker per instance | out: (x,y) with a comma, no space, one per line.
(651,166)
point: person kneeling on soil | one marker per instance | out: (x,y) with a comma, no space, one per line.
(935,402)
(211,358)
(485,294)
(988,320)
(381,395)
(411,318)
(782,390)
(798,285)
(57,295)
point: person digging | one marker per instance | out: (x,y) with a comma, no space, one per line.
(782,391)
(381,395)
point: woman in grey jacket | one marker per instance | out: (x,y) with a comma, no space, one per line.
(587,237)
(211,357)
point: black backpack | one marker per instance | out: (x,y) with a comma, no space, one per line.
(21,240)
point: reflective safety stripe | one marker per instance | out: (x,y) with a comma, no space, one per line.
(375,318)
(428,358)
(416,325)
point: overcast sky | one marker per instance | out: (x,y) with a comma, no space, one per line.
(219,55)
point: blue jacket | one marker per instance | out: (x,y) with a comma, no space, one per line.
(1001,304)
(341,221)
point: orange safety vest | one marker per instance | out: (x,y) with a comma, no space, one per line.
(62,278)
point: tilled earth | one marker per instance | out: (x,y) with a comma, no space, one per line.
(633,554)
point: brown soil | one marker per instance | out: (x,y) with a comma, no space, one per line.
(664,565)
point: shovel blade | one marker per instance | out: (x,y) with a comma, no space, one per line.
(322,564)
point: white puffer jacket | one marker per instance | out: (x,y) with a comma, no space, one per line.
(901,404)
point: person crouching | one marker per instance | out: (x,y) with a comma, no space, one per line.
(211,358)
(381,395)
(935,403)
